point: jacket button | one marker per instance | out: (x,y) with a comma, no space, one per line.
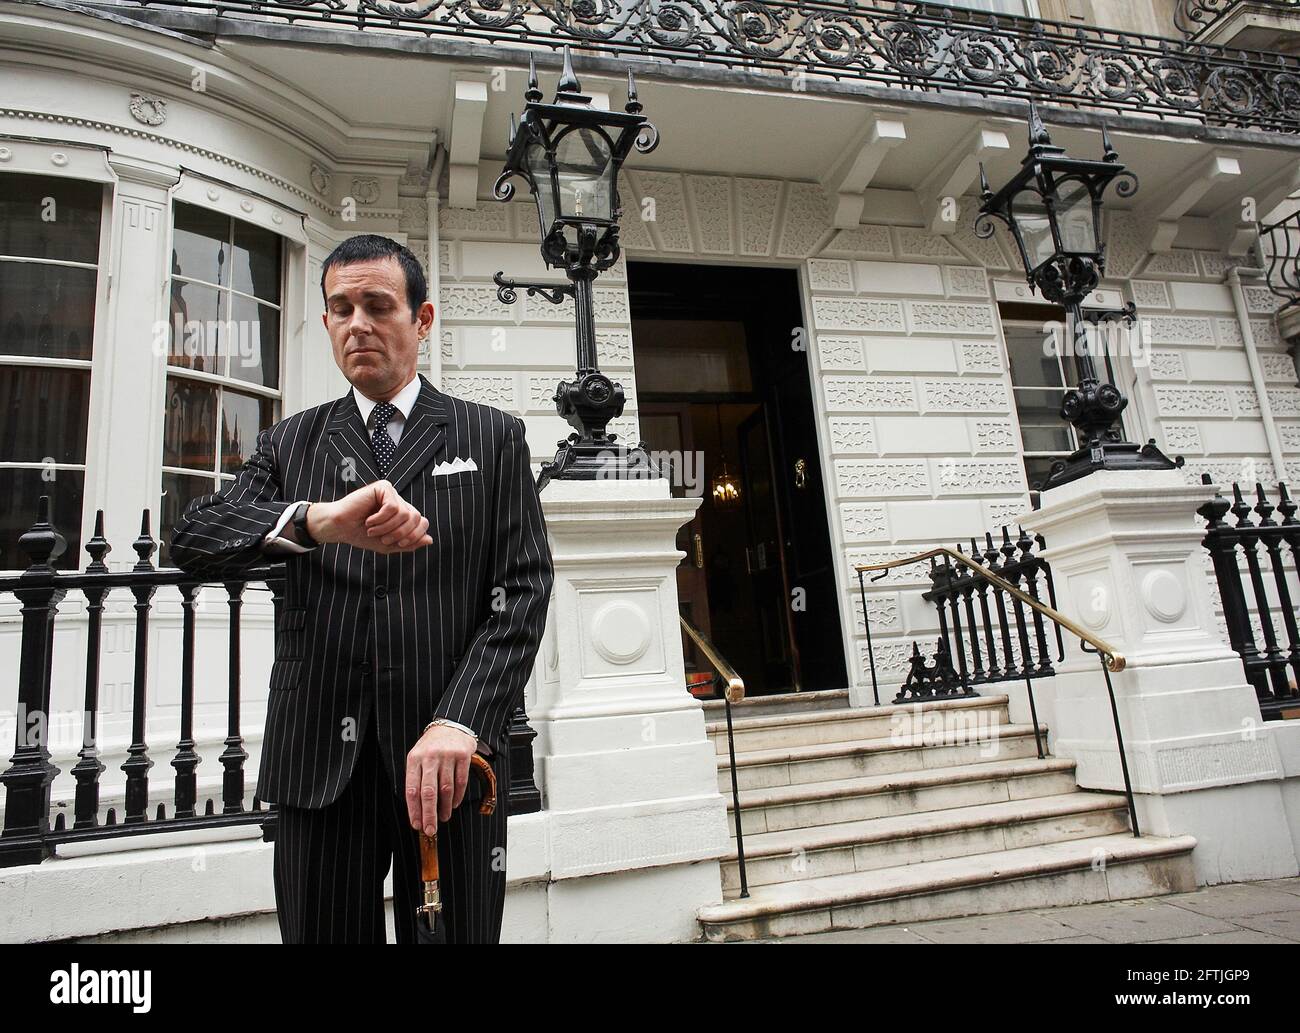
(363,666)
(381,591)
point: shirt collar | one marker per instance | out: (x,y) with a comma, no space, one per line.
(404,400)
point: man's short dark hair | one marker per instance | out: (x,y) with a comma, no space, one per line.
(366,247)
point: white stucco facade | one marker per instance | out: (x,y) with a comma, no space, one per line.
(916,423)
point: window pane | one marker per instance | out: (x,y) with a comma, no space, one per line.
(177,490)
(50,217)
(1046,437)
(20,492)
(1033,362)
(242,417)
(190,425)
(46,310)
(254,342)
(43,414)
(195,331)
(200,245)
(256,267)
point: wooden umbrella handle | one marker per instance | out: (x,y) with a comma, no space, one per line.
(429,844)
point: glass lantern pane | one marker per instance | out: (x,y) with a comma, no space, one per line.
(1074,215)
(586,174)
(1035,228)
(540,169)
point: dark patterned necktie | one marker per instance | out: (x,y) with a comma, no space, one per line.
(380,440)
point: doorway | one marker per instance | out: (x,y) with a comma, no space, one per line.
(723,389)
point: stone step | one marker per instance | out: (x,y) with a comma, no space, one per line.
(797,765)
(777,705)
(847,724)
(858,846)
(911,792)
(1078,871)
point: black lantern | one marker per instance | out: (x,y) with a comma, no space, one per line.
(1052,207)
(570,154)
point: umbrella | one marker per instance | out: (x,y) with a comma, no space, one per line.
(429,926)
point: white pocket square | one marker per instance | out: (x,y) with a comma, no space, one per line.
(455,466)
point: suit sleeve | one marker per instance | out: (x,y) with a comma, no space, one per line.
(489,682)
(221,535)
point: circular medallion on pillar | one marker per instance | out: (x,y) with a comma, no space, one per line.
(1164,596)
(620,632)
(1092,602)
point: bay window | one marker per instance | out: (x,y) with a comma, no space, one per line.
(223,344)
(49,276)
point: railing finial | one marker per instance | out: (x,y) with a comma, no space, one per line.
(42,542)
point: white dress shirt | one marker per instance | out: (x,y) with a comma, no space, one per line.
(404,401)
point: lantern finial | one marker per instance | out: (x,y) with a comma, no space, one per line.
(534,93)
(568,80)
(633,103)
(1108,149)
(1037,131)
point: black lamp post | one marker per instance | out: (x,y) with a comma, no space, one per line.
(1052,207)
(570,154)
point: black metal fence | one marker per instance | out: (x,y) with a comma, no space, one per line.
(1255,565)
(29,836)
(985,635)
(934,48)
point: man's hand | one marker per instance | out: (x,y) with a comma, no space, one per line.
(373,517)
(437,772)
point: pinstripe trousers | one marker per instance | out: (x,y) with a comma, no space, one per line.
(330,862)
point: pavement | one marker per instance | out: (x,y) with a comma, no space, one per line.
(1243,912)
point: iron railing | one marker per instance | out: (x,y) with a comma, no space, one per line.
(1193,16)
(28,835)
(1272,668)
(1280,242)
(731,687)
(929,48)
(1111,659)
(989,634)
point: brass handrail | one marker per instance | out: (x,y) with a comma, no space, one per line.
(1113,659)
(733,692)
(733,683)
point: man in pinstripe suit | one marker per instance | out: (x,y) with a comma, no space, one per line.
(419,575)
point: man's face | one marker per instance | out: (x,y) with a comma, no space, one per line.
(376,339)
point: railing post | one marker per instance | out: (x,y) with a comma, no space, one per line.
(234,755)
(30,774)
(137,763)
(89,767)
(187,759)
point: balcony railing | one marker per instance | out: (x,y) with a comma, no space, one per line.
(1192,16)
(1280,242)
(911,46)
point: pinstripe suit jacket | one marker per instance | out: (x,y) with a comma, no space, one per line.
(450,630)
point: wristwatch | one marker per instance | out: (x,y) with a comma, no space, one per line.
(300,526)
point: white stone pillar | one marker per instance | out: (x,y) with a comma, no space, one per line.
(628,776)
(1126,554)
(126,418)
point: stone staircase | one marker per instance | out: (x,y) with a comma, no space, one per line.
(877,816)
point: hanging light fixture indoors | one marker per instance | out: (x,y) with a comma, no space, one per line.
(726,488)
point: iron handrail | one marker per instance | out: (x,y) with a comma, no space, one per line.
(1111,657)
(733,690)
(1112,660)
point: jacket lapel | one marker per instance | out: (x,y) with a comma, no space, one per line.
(423,438)
(349,445)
